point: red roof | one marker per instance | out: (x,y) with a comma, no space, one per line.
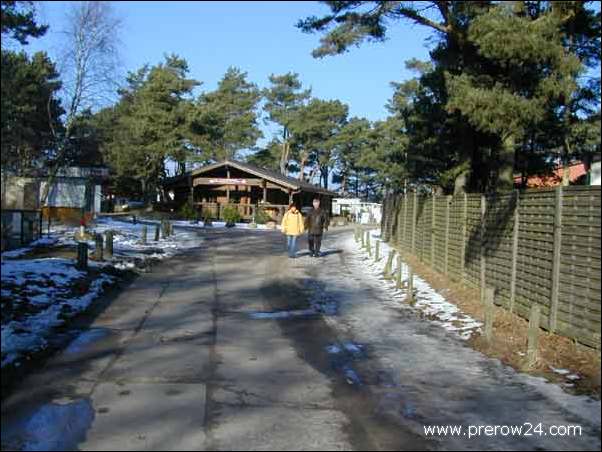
(576,171)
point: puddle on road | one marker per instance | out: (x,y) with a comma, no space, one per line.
(54,426)
(279,315)
(85,340)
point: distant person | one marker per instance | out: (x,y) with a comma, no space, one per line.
(316,222)
(292,226)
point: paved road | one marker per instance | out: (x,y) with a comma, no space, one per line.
(230,347)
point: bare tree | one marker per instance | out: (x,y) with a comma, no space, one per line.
(89,65)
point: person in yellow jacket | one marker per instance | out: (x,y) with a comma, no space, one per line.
(292,226)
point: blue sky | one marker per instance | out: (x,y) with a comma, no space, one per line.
(260,38)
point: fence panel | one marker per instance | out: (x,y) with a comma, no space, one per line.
(536,247)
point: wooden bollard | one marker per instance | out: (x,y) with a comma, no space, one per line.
(389,265)
(98,252)
(368,245)
(363,239)
(134,219)
(489,313)
(109,244)
(163,228)
(144,234)
(82,256)
(157,229)
(533,335)
(398,275)
(410,294)
(377,251)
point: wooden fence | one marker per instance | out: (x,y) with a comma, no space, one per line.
(533,247)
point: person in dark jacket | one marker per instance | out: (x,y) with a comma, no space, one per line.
(316,222)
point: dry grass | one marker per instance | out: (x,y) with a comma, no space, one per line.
(509,343)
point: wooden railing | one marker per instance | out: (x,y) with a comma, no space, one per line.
(247,211)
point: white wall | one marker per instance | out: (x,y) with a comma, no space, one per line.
(66,193)
(595,173)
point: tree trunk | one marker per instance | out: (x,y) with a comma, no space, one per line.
(505,179)
(302,167)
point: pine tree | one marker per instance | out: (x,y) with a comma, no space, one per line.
(225,120)
(283,100)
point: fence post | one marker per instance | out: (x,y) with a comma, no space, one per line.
(433,223)
(515,233)
(464,237)
(533,335)
(410,292)
(157,229)
(389,265)
(98,252)
(109,244)
(447,208)
(398,274)
(414,219)
(368,246)
(363,236)
(482,250)
(489,313)
(377,251)
(384,224)
(82,255)
(144,234)
(402,239)
(556,261)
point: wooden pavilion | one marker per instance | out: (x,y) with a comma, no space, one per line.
(248,187)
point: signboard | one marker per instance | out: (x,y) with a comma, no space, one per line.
(225,181)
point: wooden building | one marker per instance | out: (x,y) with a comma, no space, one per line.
(247,187)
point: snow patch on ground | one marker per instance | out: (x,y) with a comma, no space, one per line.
(41,293)
(427,300)
(44,241)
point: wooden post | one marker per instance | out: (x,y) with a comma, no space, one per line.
(98,254)
(433,222)
(265,190)
(389,265)
(363,236)
(403,237)
(227,186)
(410,292)
(515,233)
(483,251)
(377,251)
(368,246)
(82,256)
(134,219)
(464,237)
(163,228)
(533,335)
(144,234)
(556,262)
(489,313)
(157,229)
(109,244)
(398,280)
(414,219)
(447,208)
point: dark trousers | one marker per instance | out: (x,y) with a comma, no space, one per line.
(315,242)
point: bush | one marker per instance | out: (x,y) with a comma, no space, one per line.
(187,212)
(262,217)
(231,215)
